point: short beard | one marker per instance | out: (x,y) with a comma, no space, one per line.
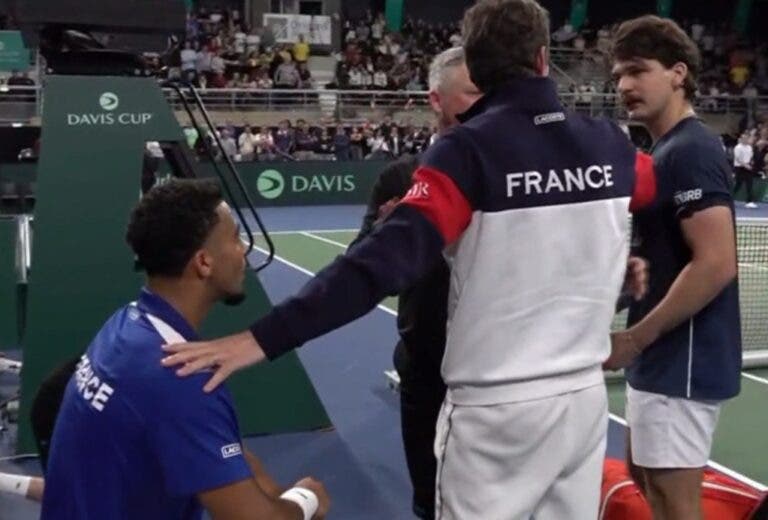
(233,300)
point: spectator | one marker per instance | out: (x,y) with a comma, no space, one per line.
(356,144)
(415,83)
(305,76)
(283,139)
(216,42)
(246,144)
(228,145)
(285,53)
(325,147)
(380,147)
(262,80)
(230,128)
(286,75)
(301,50)
(377,28)
(739,74)
(218,66)
(306,141)
(188,58)
(193,27)
(743,155)
(362,32)
(202,146)
(387,126)
(236,81)
(697,31)
(203,61)
(239,40)
(711,103)
(380,81)
(388,47)
(342,144)
(356,77)
(265,144)
(252,41)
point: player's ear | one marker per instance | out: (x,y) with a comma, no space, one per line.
(434,101)
(542,61)
(202,264)
(679,73)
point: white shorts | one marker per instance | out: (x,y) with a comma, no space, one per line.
(670,432)
(530,459)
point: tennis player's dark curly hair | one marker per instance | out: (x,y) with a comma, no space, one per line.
(171,223)
(655,38)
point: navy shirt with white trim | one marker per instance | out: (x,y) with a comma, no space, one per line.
(133,440)
(701,358)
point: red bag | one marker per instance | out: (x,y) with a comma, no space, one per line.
(723,497)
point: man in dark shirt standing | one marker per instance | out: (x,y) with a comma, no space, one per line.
(284,139)
(422,308)
(683,347)
(306,141)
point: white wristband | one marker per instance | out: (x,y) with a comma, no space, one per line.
(9,365)
(304,498)
(16,484)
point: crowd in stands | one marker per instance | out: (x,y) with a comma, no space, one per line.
(219,50)
(328,140)
(375,58)
(731,65)
(324,141)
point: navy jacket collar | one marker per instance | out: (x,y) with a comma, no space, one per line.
(530,95)
(151,303)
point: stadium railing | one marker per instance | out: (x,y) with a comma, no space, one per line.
(22,104)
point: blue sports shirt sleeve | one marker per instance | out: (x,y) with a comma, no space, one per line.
(699,172)
(196,438)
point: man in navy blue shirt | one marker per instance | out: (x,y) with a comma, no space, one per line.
(132,440)
(682,349)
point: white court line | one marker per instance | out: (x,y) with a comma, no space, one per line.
(755,378)
(323,239)
(289,232)
(310,273)
(711,463)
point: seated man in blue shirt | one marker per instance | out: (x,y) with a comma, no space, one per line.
(132,440)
